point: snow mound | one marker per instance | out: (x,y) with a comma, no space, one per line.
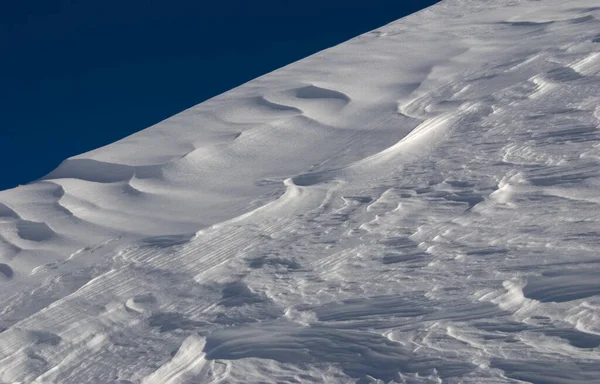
(416,205)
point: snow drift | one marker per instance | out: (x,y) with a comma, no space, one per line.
(416,205)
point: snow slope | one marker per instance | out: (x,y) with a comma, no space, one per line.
(416,205)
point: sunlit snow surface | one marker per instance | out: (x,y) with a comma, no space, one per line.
(417,205)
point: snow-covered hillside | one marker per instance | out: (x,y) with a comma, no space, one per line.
(417,205)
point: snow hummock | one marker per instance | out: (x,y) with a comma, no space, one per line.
(417,205)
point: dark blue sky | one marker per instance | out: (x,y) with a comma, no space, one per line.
(79,74)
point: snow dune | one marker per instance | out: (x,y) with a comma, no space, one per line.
(416,205)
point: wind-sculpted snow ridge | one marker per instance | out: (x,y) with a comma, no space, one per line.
(417,205)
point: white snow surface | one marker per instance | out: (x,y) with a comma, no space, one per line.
(417,205)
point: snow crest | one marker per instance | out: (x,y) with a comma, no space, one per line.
(415,205)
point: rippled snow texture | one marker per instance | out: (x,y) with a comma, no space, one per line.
(417,205)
